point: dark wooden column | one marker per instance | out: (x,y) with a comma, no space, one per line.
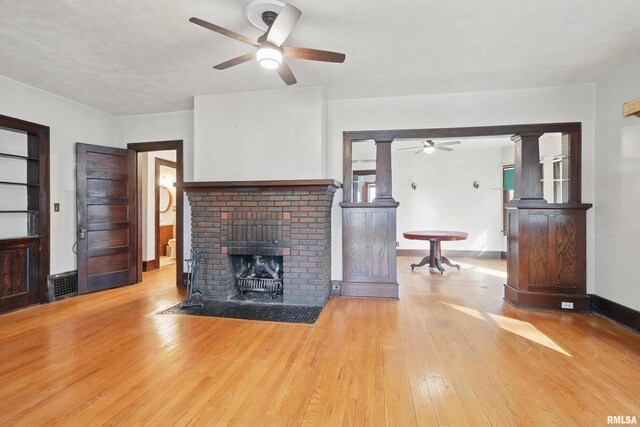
(528,186)
(383,171)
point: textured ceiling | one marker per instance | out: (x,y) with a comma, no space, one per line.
(143,56)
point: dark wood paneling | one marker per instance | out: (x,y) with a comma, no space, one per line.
(538,245)
(108,238)
(149,265)
(575,166)
(106,188)
(103,162)
(166,233)
(107,264)
(18,273)
(107,213)
(565,232)
(547,250)
(527,167)
(383,170)
(355,224)
(380,256)
(14,278)
(369,251)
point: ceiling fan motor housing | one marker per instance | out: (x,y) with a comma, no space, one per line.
(268,16)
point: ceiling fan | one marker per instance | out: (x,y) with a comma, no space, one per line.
(429,146)
(269,50)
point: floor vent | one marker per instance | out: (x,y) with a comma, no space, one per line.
(61,286)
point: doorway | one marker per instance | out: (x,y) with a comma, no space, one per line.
(161,212)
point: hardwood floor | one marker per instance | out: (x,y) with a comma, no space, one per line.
(449,352)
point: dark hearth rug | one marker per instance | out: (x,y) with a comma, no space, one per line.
(251,311)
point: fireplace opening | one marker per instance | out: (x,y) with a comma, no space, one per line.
(257,276)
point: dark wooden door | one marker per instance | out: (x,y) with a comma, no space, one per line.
(106,207)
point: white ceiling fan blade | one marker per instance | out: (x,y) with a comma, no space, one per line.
(409,148)
(419,151)
(438,147)
(444,144)
(283,25)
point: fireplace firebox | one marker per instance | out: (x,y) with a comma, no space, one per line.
(256,273)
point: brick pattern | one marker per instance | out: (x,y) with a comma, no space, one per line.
(230,222)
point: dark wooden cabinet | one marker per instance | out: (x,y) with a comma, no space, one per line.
(546,262)
(369,250)
(19,273)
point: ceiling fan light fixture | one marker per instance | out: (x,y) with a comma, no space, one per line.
(269,57)
(429,149)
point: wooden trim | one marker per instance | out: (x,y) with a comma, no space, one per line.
(617,312)
(460,132)
(452,253)
(156,202)
(575,166)
(263,185)
(149,265)
(364,172)
(347,168)
(545,301)
(369,290)
(177,145)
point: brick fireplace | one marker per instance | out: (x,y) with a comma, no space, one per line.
(284,220)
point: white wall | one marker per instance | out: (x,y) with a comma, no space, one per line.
(445,198)
(163,127)
(69,122)
(617,229)
(275,134)
(544,105)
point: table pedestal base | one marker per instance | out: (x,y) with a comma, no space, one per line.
(435,258)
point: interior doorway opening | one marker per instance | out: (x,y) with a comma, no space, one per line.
(159,170)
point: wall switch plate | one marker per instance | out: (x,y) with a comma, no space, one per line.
(397,244)
(56,207)
(567,305)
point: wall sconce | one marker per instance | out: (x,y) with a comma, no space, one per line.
(414,185)
(476,184)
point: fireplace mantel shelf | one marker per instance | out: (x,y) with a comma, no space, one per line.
(332,184)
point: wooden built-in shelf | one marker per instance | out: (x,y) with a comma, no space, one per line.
(17,156)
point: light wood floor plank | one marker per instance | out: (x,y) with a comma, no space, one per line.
(450,351)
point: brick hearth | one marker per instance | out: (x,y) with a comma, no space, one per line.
(291,219)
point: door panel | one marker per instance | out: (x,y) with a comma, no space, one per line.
(106,203)
(18,273)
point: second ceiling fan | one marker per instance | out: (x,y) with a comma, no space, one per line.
(429,146)
(270,52)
